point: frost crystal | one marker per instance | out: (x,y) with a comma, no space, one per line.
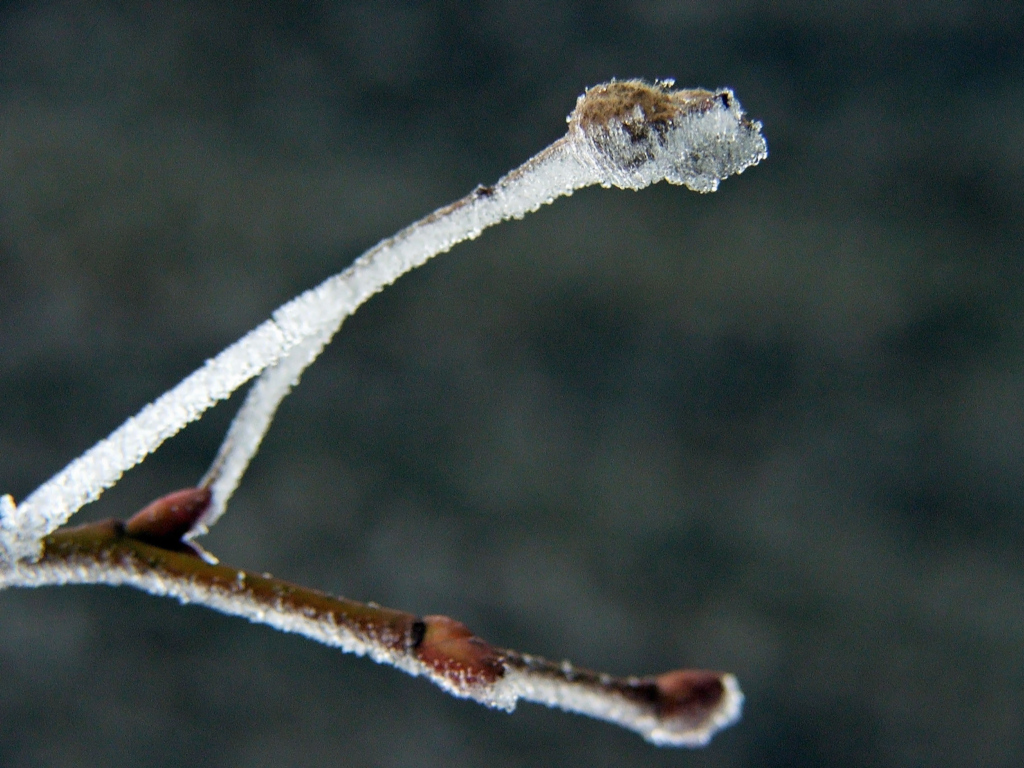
(636,134)
(8,528)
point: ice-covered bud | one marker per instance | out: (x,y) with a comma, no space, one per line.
(693,705)
(634,134)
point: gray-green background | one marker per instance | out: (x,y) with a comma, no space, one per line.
(777,430)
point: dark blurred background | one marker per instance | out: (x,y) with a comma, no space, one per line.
(777,430)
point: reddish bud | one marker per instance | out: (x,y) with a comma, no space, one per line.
(451,650)
(690,695)
(164,522)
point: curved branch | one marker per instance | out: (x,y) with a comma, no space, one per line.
(626,134)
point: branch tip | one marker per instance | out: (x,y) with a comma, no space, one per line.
(635,134)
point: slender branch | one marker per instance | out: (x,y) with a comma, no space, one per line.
(250,424)
(626,134)
(679,708)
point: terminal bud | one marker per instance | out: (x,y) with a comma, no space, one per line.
(635,134)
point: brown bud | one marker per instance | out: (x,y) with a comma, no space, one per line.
(690,695)
(633,101)
(451,650)
(164,522)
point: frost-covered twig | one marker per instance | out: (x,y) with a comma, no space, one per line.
(679,708)
(626,134)
(250,425)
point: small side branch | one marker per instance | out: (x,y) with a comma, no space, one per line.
(680,708)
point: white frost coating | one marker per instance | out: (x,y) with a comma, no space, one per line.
(85,478)
(317,312)
(8,527)
(238,602)
(545,177)
(626,134)
(605,705)
(250,425)
(645,135)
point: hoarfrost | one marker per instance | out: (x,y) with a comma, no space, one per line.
(250,425)
(636,134)
(8,528)
(604,704)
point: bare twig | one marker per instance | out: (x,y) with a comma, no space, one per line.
(682,708)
